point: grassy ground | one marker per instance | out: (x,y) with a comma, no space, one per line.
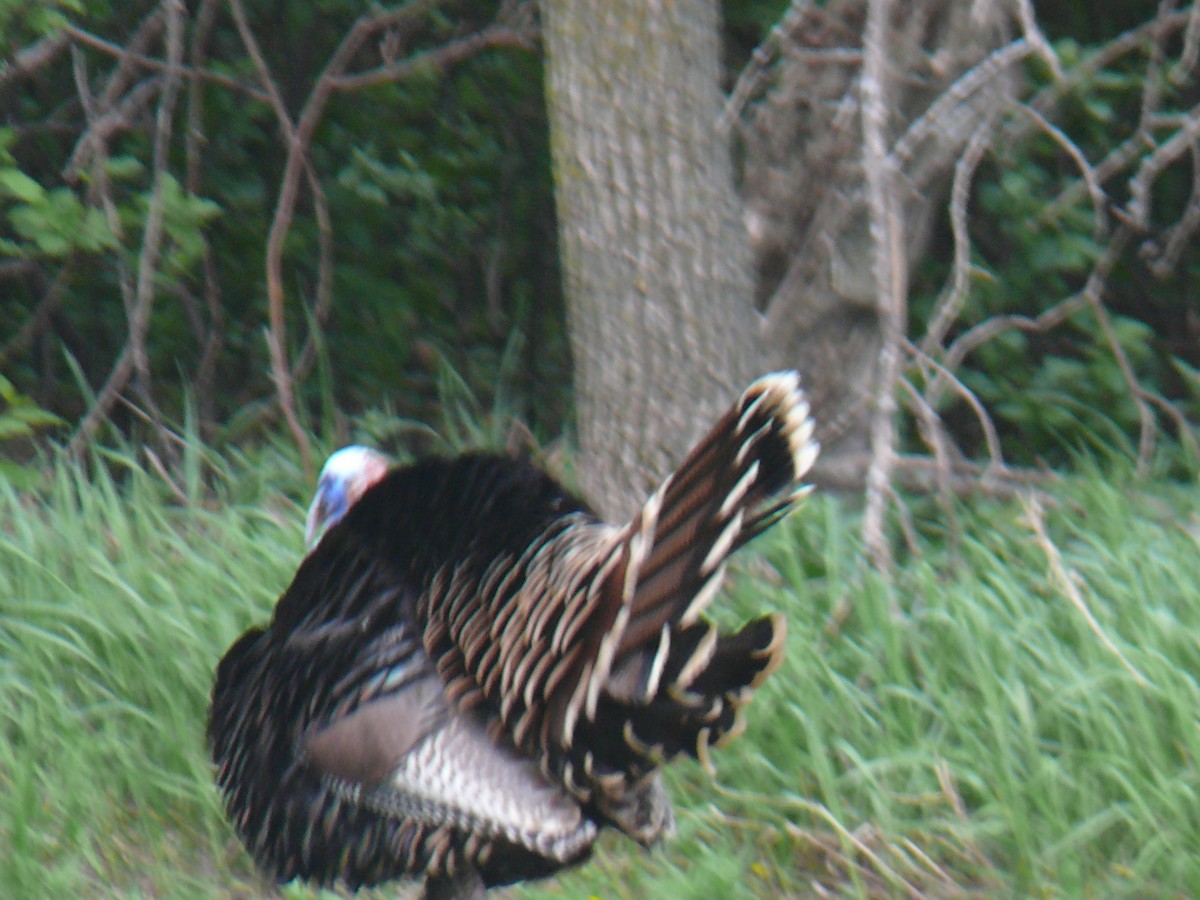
(1013,715)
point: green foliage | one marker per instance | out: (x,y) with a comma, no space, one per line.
(184,218)
(438,192)
(20,417)
(51,223)
(1036,240)
(21,19)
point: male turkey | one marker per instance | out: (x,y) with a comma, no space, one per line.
(471,672)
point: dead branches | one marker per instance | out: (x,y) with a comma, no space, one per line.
(133,88)
(298,136)
(133,361)
(850,223)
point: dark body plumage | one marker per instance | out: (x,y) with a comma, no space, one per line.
(470,672)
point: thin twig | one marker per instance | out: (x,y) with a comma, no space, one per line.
(933,432)
(949,112)
(310,115)
(29,59)
(103,127)
(158,65)
(324,289)
(282,376)
(438,58)
(954,295)
(933,397)
(755,70)
(1179,237)
(1037,40)
(1127,42)
(1117,159)
(333,78)
(212,334)
(47,306)
(980,334)
(920,474)
(1093,292)
(1152,166)
(1191,47)
(792,803)
(157,464)
(1069,581)
(134,359)
(1095,191)
(97,155)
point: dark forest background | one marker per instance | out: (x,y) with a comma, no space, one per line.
(423,270)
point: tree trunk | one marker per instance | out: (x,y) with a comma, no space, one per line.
(655,253)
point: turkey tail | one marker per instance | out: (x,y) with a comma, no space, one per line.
(676,683)
(737,482)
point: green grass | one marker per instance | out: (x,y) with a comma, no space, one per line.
(960,730)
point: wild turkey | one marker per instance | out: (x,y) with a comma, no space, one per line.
(471,673)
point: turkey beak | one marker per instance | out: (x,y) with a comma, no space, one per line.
(327,507)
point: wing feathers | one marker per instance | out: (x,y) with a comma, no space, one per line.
(366,745)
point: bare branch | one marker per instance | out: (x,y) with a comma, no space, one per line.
(212,336)
(933,395)
(953,297)
(1069,581)
(148,32)
(98,43)
(1037,40)
(324,290)
(1095,191)
(282,374)
(1093,292)
(194,136)
(955,111)
(1117,159)
(920,474)
(134,359)
(935,437)
(890,276)
(1153,165)
(298,137)
(1191,47)
(975,337)
(439,58)
(46,307)
(755,70)
(1162,257)
(29,59)
(1128,42)
(101,128)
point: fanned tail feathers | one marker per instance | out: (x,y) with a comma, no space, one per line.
(677,683)
(738,481)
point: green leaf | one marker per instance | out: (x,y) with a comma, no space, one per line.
(124,166)
(17,184)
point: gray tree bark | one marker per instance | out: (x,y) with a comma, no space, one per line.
(657,261)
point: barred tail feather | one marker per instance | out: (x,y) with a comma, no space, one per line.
(676,685)
(738,481)
(702,685)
